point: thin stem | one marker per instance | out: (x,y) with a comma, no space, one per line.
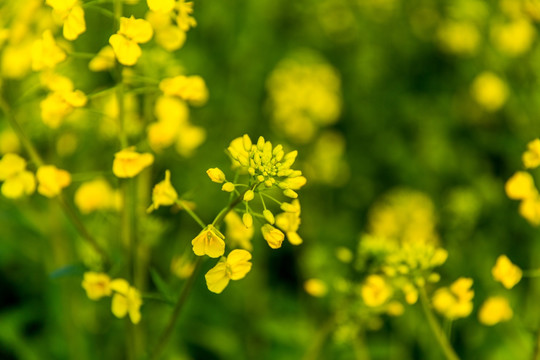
(536,353)
(317,344)
(531,273)
(272,198)
(190,212)
(176,312)
(219,218)
(447,349)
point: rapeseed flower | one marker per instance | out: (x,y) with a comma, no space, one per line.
(189,88)
(128,163)
(234,267)
(126,300)
(97,195)
(289,222)
(489,91)
(237,234)
(375,291)
(52,180)
(163,193)
(17,180)
(46,54)
(97,285)
(456,301)
(273,236)
(531,157)
(209,242)
(506,272)
(521,186)
(104,60)
(125,42)
(71,14)
(495,310)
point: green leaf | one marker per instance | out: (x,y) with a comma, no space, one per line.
(68,270)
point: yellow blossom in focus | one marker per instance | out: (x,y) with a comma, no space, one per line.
(97,195)
(520,186)
(228,187)
(289,222)
(456,301)
(125,42)
(163,193)
(104,60)
(273,236)
(209,242)
(189,88)
(247,220)
(216,175)
(489,91)
(52,180)
(495,310)
(315,287)
(17,180)
(515,37)
(46,54)
(97,285)
(129,163)
(234,267)
(506,272)
(375,291)
(531,157)
(237,233)
(126,300)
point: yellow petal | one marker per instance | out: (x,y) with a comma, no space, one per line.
(239,265)
(127,51)
(216,278)
(74,24)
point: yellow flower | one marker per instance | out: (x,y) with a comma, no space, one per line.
(182,266)
(97,195)
(531,157)
(489,91)
(289,222)
(228,187)
(126,300)
(456,301)
(52,180)
(209,242)
(97,285)
(216,175)
(459,37)
(163,193)
(506,272)
(530,210)
(184,19)
(167,35)
(520,186)
(189,138)
(17,180)
(164,6)
(125,42)
(189,88)
(234,267)
(9,142)
(129,163)
(11,165)
(57,105)
(315,287)
(495,310)
(237,233)
(375,291)
(273,236)
(515,37)
(71,14)
(104,60)
(45,53)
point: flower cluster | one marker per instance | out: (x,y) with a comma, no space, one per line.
(125,298)
(171,19)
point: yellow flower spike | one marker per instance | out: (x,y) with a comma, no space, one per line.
(189,88)
(126,42)
(495,310)
(104,60)
(247,219)
(209,242)
(506,272)
(520,186)
(96,195)
(273,236)
(489,91)
(163,193)
(237,233)
(234,267)
(11,165)
(269,216)
(96,285)
(46,54)
(375,291)
(126,300)
(249,195)
(316,287)
(456,301)
(228,187)
(52,180)
(216,175)
(531,157)
(163,6)
(128,163)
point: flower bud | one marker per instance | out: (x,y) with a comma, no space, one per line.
(269,216)
(249,195)
(216,175)
(247,219)
(228,187)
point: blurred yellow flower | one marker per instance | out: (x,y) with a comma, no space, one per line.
(97,195)
(17,180)
(456,301)
(531,157)
(458,37)
(513,38)
(97,285)
(163,193)
(209,242)
(161,5)
(375,291)
(125,42)
(237,233)
(489,91)
(59,104)
(46,54)
(104,60)
(129,163)
(189,138)
(273,236)
(71,14)
(520,186)
(289,222)
(234,267)
(495,310)
(52,180)
(189,88)
(126,300)
(167,35)
(315,287)
(182,266)
(506,272)
(530,210)
(184,19)
(9,142)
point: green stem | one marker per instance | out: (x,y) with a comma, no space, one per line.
(442,340)
(190,212)
(219,218)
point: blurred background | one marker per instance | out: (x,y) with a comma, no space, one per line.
(420,98)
